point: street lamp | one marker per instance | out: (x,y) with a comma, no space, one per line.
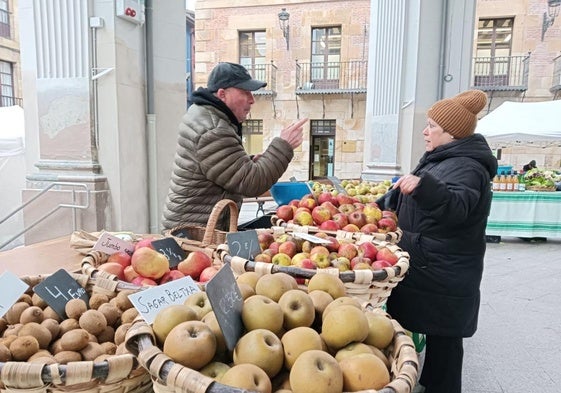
(550,15)
(285,27)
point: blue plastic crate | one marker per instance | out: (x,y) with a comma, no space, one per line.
(284,192)
(504,169)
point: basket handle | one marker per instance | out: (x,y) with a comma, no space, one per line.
(215,214)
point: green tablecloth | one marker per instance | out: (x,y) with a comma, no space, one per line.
(525,214)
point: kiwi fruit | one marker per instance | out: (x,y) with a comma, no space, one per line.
(23,347)
(5,354)
(31,314)
(107,335)
(74,340)
(38,301)
(50,313)
(65,357)
(55,347)
(68,325)
(102,358)
(109,347)
(53,326)
(26,298)
(97,300)
(75,308)
(8,340)
(91,351)
(43,360)
(121,332)
(111,312)
(122,299)
(41,333)
(14,313)
(3,325)
(12,330)
(93,321)
(129,315)
(39,354)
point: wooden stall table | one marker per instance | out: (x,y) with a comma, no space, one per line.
(529,214)
(41,258)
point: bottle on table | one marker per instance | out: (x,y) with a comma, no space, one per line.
(502,182)
(521,183)
(515,182)
(509,183)
(496,183)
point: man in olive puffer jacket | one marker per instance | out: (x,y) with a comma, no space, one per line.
(211,163)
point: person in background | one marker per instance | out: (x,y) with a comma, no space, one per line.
(528,166)
(442,209)
(211,163)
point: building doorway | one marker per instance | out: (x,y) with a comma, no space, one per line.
(322,151)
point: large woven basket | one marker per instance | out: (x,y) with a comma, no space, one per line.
(392,236)
(208,236)
(371,286)
(171,377)
(118,373)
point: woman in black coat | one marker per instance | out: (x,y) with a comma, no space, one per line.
(442,209)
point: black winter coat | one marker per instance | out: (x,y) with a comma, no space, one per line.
(443,223)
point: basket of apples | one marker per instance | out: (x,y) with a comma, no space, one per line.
(334,213)
(370,268)
(316,339)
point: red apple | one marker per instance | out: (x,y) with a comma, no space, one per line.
(386,225)
(194,264)
(319,250)
(390,214)
(303,218)
(308,202)
(263,258)
(347,250)
(149,263)
(294,202)
(333,244)
(307,264)
(368,250)
(325,196)
(369,228)
(114,268)
(273,248)
(207,274)
(288,247)
(385,254)
(130,274)
(285,212)
(360,260)
(144,281)
(331,207)
(170,276)
(320,214)
(347,208)
(351,228)
(362,266)
(146,242)
(265,239)
(341,220)
(359,205)
(372,213)
(357,218)
(344,199)
(123,258)
(377,265)
(329,225)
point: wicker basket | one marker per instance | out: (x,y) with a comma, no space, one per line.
(392,237)
(119,373)
(171,377)
(208,236)
(371,286)
(541,188)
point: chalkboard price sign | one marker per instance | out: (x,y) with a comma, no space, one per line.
(227,302)
(172,251)
(12,289)
(243,244)
(58,289)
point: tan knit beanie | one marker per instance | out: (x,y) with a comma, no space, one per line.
(458,115)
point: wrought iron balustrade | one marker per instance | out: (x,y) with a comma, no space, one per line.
(506,73)
(331,77)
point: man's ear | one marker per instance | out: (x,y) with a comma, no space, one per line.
(221,94)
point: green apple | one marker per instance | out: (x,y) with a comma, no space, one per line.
(215,370)
(380,330)
(199,302)
(364,371)
(298,309)
(247,376)
(344,325)
(328,283)
(262,348)
(191,344)
(169,317)
(299,340)
(316,371)
(260,312)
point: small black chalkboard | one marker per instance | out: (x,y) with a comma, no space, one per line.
(227,302)
(58,289)
(243,244)
(337,184)
(182,233)
(172,251)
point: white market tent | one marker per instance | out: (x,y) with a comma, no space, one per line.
(523,123)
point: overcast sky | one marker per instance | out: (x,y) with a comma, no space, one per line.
(190,4)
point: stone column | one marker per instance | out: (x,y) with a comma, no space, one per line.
(60,128)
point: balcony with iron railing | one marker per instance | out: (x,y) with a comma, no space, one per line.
(501,73)
(556,81)
(266,73)
(10,101)
(345,77)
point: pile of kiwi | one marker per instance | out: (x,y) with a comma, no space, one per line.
(31,331)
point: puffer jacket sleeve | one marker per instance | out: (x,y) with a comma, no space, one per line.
(225,162)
